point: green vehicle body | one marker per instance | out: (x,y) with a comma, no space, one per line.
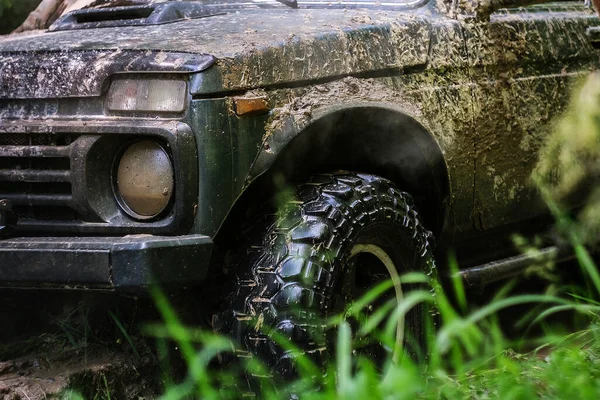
(450,100)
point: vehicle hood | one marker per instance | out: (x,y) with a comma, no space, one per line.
(81,73)
(253,48)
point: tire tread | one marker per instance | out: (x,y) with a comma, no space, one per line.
(291,268)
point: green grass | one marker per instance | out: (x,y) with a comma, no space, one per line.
(467,354)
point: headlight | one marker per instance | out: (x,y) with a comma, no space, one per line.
(147,95)
(145,181)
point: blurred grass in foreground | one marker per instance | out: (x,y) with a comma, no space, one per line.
(468,357)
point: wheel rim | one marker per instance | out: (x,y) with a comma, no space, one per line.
(368,265)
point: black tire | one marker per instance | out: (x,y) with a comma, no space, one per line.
(294,260)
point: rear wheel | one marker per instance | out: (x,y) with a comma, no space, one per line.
(339,236)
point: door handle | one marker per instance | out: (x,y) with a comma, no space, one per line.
(593,34)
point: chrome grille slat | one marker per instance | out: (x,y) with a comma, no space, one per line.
(34,151)
(39,199)
(32,175)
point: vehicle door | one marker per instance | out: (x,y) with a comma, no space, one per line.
(524,64)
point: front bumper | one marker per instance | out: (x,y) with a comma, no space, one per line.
(129,263)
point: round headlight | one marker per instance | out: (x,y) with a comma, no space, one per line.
(144,179)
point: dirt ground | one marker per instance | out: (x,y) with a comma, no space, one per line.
(103,373)
(53,344)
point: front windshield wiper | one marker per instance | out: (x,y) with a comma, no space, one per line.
(138,13)
(289,3)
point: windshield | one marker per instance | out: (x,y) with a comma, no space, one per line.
(314,3)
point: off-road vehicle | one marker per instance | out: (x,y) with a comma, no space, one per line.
(296,154)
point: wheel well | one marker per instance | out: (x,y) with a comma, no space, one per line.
(370,139)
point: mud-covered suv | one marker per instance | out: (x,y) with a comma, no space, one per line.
(280,150)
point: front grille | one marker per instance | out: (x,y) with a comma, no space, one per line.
(59,176)
(35,175)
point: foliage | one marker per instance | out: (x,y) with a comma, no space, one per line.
(5,4)
(568,166)
(14,12)
(468,356)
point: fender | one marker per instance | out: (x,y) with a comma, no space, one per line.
(371,137)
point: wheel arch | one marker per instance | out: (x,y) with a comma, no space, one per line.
(375,138)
